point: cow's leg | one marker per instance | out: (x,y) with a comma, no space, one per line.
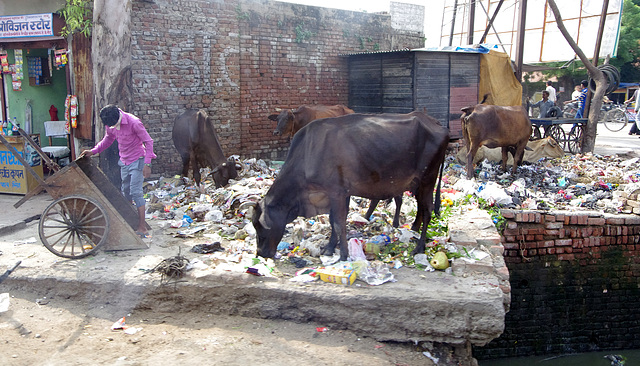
(330,248)
(185,164)
(426,202)
(338,218)
(396,216)
(519,155)
(505,157)
(426,205)
(418,221)
(196,170)
(473,149)
(372,206)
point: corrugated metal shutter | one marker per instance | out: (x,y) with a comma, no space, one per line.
(432,85)
(365,83)
(397,82)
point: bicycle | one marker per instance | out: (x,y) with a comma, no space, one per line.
(617,118)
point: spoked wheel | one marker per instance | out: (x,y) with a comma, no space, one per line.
(557,133)
(74,226)
(616,120)
(575,139)
(535,135)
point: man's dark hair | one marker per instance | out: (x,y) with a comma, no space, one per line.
(584,83)
(548,82)
(110,115)
(545,92)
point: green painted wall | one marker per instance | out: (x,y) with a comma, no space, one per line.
(40,97)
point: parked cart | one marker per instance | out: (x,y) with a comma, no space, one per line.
(557,127)
(88,211)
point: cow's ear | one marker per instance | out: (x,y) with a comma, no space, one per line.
(263,219)
(273,117)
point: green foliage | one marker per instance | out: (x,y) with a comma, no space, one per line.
(241,14)
(78,16)
(302,34)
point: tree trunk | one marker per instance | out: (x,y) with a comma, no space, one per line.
(111,70)
(589,140)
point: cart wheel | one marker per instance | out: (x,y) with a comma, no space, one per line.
(574,143)
(557,133)
(535,135)
(74,226)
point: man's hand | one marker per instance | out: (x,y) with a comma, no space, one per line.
(146,171)
(86,153)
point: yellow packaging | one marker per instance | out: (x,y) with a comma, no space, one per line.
(340,276)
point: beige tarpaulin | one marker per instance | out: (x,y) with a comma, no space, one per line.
(497,80)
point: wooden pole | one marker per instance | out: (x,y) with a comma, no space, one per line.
(453,21)
(472,18)
(522,15)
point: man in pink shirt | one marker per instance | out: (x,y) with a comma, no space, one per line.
(135,147)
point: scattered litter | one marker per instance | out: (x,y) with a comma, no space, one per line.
(342,274)
(4,302)
(42,301)
(119,324)
(30,240)
(171,268)
(322,329)
(207,248)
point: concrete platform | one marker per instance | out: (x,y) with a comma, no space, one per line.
(464,308)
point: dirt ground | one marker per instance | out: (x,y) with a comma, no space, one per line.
(62,332)
(59,331)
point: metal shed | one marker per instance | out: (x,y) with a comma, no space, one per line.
(441,82)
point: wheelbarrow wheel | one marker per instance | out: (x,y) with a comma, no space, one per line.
(74,226)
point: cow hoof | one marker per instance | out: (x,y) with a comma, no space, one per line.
(416,251)
(328,252)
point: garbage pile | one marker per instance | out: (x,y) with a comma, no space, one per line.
(574,182)
(222,216)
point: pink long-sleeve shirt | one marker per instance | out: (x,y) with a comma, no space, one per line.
(133,139)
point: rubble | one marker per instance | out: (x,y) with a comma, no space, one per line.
(580,182)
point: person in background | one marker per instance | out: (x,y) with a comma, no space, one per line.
(545,104)
(581,98)
(135,148)
(552,92)
(634,98)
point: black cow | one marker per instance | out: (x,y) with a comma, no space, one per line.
(195,139)
(372,156)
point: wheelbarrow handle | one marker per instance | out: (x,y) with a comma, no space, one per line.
(8,272)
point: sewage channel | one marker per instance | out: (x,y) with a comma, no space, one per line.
(582,359)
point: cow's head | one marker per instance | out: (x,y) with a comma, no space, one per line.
(285,122)
(269,229)
(225,171)
(548,147)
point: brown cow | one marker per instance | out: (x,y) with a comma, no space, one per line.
(495,126)
(195,139)
(291,121)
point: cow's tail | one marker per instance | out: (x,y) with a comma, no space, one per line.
(438,203)
(484,99)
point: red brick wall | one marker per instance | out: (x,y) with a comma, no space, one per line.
(574,283)
(241,60)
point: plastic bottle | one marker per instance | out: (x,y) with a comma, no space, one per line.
(9,128)
(15,127)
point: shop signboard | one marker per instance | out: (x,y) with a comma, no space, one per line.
(30,25)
